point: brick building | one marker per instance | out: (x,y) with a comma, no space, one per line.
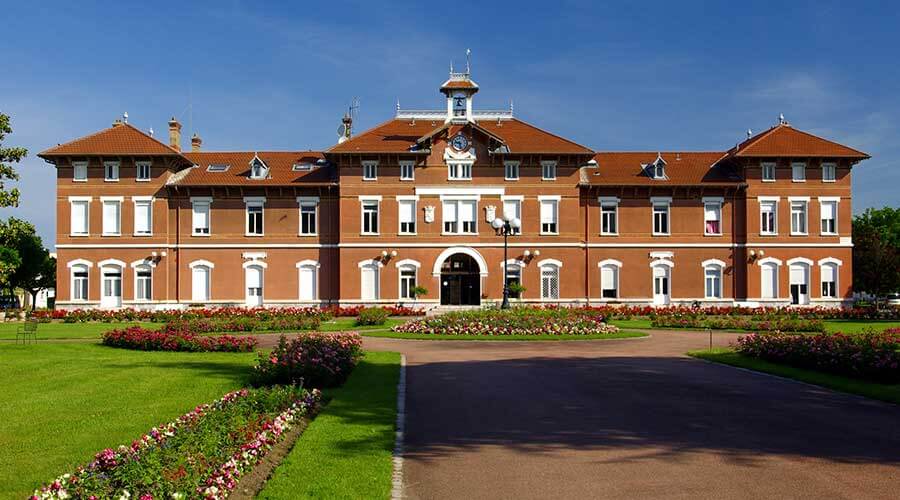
(142,223)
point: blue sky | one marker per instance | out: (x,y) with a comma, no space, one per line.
(278,75)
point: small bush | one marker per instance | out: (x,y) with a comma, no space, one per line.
(372,316)
(313,359)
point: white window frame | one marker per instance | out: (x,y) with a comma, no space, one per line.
(376,266)
(370,170)
(255,202)
(606,202)
(718,203)
(776,285)
(407,265)
(111,200)
(111,171)
(368,200)
(307,201)
(774,202)
(315,266)
(616,266)
(836,202)
(548,170)
(834,264)
(78,265)
(79,200)
(767,165)
(404,200)
(205,204)
(142,266)
(138,166)
(657,201)
(804,200)
(832,166)
(458,201)
(459,170)
(555,202)
(798,166)
(718,268)
(407,170)
(517,200)
(258,169)
(79,171)
(556,266)
(138,201)
(511,170)
(208,266)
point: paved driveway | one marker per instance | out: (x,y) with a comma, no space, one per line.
(631,418)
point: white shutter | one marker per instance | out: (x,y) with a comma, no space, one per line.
(200,283)
(769,281)
(142,217)
(307,283)
(511,209)
(712,212)
(200,216)
(369,282)
(608,278)
(828,210)
(467,211)
(406,211)
(79,218)
(449,211)
(110,217)
(548,212)
(254,277)
(798,275)
(828,273)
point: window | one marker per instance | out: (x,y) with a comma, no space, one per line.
(200,282)
(511,170)
(798,172)
(254,216)
(459,216)
(661,217)
(301,167)
(549,282)
(769,277)
(407,282)
(253,282)
(143,216)
(112,216)
(308,215)
(80,215)
(712,217)
(713,275)
(609,216)
(548,170)
(79,282)
(200,216)
(407,216)
(549,216)
(829,172)
(142,171)
(407,172)
(459,171)
(308,276)
(829,281)
(798,217)
(111,171)
(609,280)
(799,282)
(768,172)
(513,276)
(659,171)
(369,289)
(828,215)
(258,169)
(111,287)
(512,209)
(143,283)
(370,170)
(370,217)
(218,167)
(79,171)
(768,217)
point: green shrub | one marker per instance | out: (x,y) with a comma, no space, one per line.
(372,316)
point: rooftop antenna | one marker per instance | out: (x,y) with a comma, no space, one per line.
(781,120)
(749,133)
(354,108)
(468,55)
(151,131)
(398,105)
(125,117)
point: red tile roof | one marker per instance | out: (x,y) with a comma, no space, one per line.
(459,84)
(682,168)
(400,135)
(280,165)
(784,140)
(119,140)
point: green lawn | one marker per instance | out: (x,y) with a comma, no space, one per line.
(346,451)
(428,336)
(873,390)
(344,324)
(636,323)
(857,326)
(60,330)
(63,402)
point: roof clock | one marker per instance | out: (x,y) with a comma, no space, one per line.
(460,142)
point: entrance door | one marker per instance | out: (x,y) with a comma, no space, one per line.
(254,277)
(799,284)
(112,287)
(460,281)
(661,295)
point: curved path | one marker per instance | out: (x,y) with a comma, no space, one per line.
(631,418)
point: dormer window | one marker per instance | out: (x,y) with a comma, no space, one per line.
(258,169)
(657,169)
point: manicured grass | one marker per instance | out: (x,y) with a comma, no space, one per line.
(857,326)
(346,451)
(884,392)
(60,330)
(63,402)
(429,336)
(635,323)
(345,324)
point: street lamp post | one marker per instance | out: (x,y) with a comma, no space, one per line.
(505,227)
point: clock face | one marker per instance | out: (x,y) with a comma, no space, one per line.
(459,142)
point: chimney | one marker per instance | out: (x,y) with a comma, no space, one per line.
(175,134)
(117,122)
(196,141)
(346,128)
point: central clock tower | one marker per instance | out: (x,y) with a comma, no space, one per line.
(459,89)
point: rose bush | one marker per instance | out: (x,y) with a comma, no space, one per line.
(516,321)
(872,356)
(314,359)
(201,454)
(144,339)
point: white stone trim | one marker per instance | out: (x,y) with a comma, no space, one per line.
(201,262)
(467,191)
(261,200)
(830,260)
(308,262)
(549,197)
(512,197)
(407,197)
(119,199)
(798,198)
(79,262)
(143,262)
(663,262)
(307,199)
(255,262)
(836,199)
(713,262)
(769,260)
(714,199)
(610,262)
(370,197)
(482,264)
(407,262)
(369,262)
(800,260)
(776,199)
(662,255)
(112,263)
(513,262)
(552,262)
(661,199)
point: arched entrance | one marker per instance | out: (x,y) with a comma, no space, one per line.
(460,281)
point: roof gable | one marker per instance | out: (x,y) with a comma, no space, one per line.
(119,140)
(682,168)
(783,140)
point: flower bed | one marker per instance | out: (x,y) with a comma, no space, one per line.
(517,321)
(143,339)
(758,323)
(201,454)
(314,359)
(277,323)
(224,313)
(356,310)
(872,356)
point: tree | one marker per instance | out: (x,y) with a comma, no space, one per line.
(876,251)
(8,198)
(36,270)
(9,262)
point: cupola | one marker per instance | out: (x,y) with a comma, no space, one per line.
(459,89)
